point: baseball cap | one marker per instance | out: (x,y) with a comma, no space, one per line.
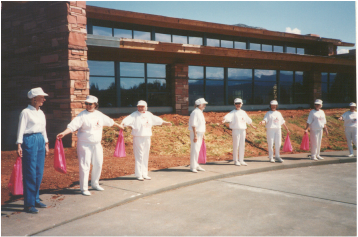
(91,99)
(318,102)
(352,104)
(238,100)
(273,102)
(35,92)
(142,103)
(200,101)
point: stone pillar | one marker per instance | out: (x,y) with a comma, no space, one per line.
(178,74)
(315,91)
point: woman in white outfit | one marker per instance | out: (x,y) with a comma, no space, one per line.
(141,122)
(238,119)
(89,124)
(197,129)
(316,122)
(350,124)
(274,120)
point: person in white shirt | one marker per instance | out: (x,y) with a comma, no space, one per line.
(274,120)
(350,124)
(141,122)
(316,122)
(32,146)
(197,130)
(238,119)
(89,124)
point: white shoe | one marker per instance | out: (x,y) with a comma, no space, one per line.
(278,159)
(243,163)
(237,163)
(313,158)
(86,193)
(99,188)
(147,177)
(140,178)
(320,158)
(194,171)
(200,169)
(272,160)
(351,155)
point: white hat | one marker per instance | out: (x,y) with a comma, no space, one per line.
(318,102)
(142,103)
(238,100)
(352,104)
(35,92)
(91,99)
(200,101)
(273,102)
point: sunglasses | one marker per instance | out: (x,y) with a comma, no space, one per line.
(88,103)
(238,103)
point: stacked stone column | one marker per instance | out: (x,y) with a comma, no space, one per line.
(178,74)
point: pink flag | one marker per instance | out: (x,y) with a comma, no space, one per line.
(59,159)
(120,150)
(15,184)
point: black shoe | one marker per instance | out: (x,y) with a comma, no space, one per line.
(31,210)
(40,205)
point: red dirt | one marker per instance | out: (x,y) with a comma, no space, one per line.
(115,167)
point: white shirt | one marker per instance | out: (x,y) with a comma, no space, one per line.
(238,119)
(31,121)
(142,123)
(350,119)
(273,119)
(90,126)
(197,121)
(316,119)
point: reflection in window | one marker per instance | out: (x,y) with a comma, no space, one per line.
(265,86)
(240,45)
(196,83)
(267,48)
(239,85)
(122,33)
(101,68)
(215,73)
(100,30)
(278,49)
(300,88)
(213,42)
(227,44)
(163,37)
(157,85)
(180,39)
(239,74)
(132,69)
(300,51)
(196,72)
(156,70)
(286,87)
(254,46)
(104,88)
(324,85)
(195,40)
(291,50)
(132,90)
(141,35)
(215,92)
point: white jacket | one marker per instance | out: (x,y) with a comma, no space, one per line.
(197,120)
(350,119)
(316,119)
(238,119)
(141,123)
(273,119)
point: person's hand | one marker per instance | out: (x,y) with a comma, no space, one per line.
(254,127)
(340,118)
(168,124)
(306,131)
(288,131)
(195,139)
(47,149)
(326,131)
(223,121)
(60,135)
(121,127)
(261,123)
(19,150)
(204,137)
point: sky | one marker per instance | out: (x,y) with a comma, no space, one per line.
(328,19)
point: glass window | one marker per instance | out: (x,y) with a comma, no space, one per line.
(240,89)
(157,85)
(240,45)
(100,30)
(101,68)
(265,86)
(159,99)
(324,77)
(196,72)
(324,85)
(163,37)
(278,49)
(286,87)
(291,50)
(132,90)
(104,88)
(122,33)
(180,39)
(239,74)
(254,46)
(267,48)
(195,40)
(215,92)
(300,88)
(196,90)
(214,73)
(141,35)
(300,51)
(131,69)
(227,44)
(213,42)
(156,70)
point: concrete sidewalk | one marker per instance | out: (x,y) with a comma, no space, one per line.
(69,205)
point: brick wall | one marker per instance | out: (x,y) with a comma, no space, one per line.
(178,74)
(43,45)
(314,78)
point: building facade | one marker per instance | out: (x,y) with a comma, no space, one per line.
(72,50)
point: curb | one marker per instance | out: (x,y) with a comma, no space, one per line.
(220,176)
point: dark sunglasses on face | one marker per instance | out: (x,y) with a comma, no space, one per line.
(88,103)
(238,103)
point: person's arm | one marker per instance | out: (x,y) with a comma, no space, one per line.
(288,131)
(326,129)
(195,137)
(254,127)
(167,123)
(264,121)
(64,133)
(340,118)
(120,126)
(306,129)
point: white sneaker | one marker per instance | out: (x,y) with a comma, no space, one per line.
(86,193)
(320,158)
(140,178)
(278,159)
(194,171)
(200,169)
(243,163)
(351,155)
(99,188)
(237,163)
(272,160)
(313,158)
(147,177)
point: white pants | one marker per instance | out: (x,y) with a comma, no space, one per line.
(141,147)
(274,136)
(88,153)
(195,149)
(238,143)
(351,135)
(315,138)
